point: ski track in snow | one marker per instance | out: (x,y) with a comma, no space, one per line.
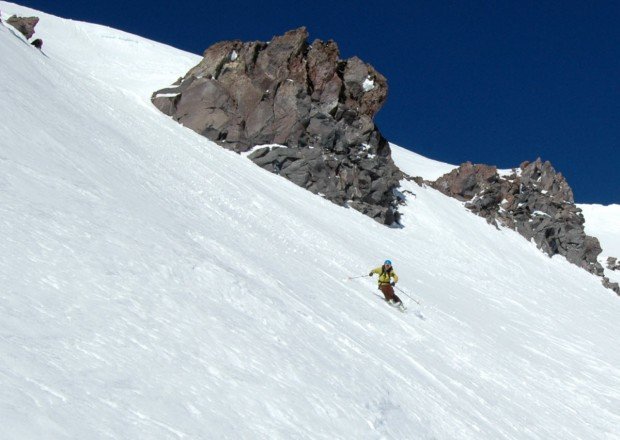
(155,285)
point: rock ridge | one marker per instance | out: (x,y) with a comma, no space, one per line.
(301,96)
(534,200)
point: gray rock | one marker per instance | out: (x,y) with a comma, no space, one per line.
(613,286)
(300,96)
(534,200)
(613,263)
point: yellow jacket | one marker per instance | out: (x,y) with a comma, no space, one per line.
(384,277)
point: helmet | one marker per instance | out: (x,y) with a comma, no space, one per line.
(388,262)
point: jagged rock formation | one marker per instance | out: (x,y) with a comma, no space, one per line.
(612,264)
(25,25)
(303,97)
(613,286)
(534,200)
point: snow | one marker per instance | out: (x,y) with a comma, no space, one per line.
(603,222)
(417,165)
(258,147)
(508,172)
(157,286)
(166,95)
(368,84)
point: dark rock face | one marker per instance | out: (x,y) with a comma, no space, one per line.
(303,97)
(613,263)
(467,181)
(25,25)
(534,200)
(613,286)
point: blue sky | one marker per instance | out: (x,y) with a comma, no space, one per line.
(489,82)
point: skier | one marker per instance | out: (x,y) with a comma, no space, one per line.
(386,272)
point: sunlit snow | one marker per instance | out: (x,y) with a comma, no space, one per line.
(368,84)
(157,286)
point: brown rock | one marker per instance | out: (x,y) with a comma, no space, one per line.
(25,25)
(297,95)
(536,201)
(467,180)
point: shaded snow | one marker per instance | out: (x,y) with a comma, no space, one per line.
(155,285)
(603,222)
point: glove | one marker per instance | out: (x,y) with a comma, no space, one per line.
(393,283)
(370,274)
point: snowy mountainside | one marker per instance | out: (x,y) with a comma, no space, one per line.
(417,165)
(155,285)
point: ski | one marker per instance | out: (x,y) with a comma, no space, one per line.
(401,308)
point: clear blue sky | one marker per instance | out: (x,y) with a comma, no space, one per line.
(489,82)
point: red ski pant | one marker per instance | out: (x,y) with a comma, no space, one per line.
(388,292)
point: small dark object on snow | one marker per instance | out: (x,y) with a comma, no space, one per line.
(38,43)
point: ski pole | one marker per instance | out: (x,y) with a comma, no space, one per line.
(402,291)
(361,276)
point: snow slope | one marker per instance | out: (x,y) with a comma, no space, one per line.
(416,165)
(156,286)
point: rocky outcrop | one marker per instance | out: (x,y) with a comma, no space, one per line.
(301,96)
(534,200)
(613,263)
(25,25)
(613,286)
